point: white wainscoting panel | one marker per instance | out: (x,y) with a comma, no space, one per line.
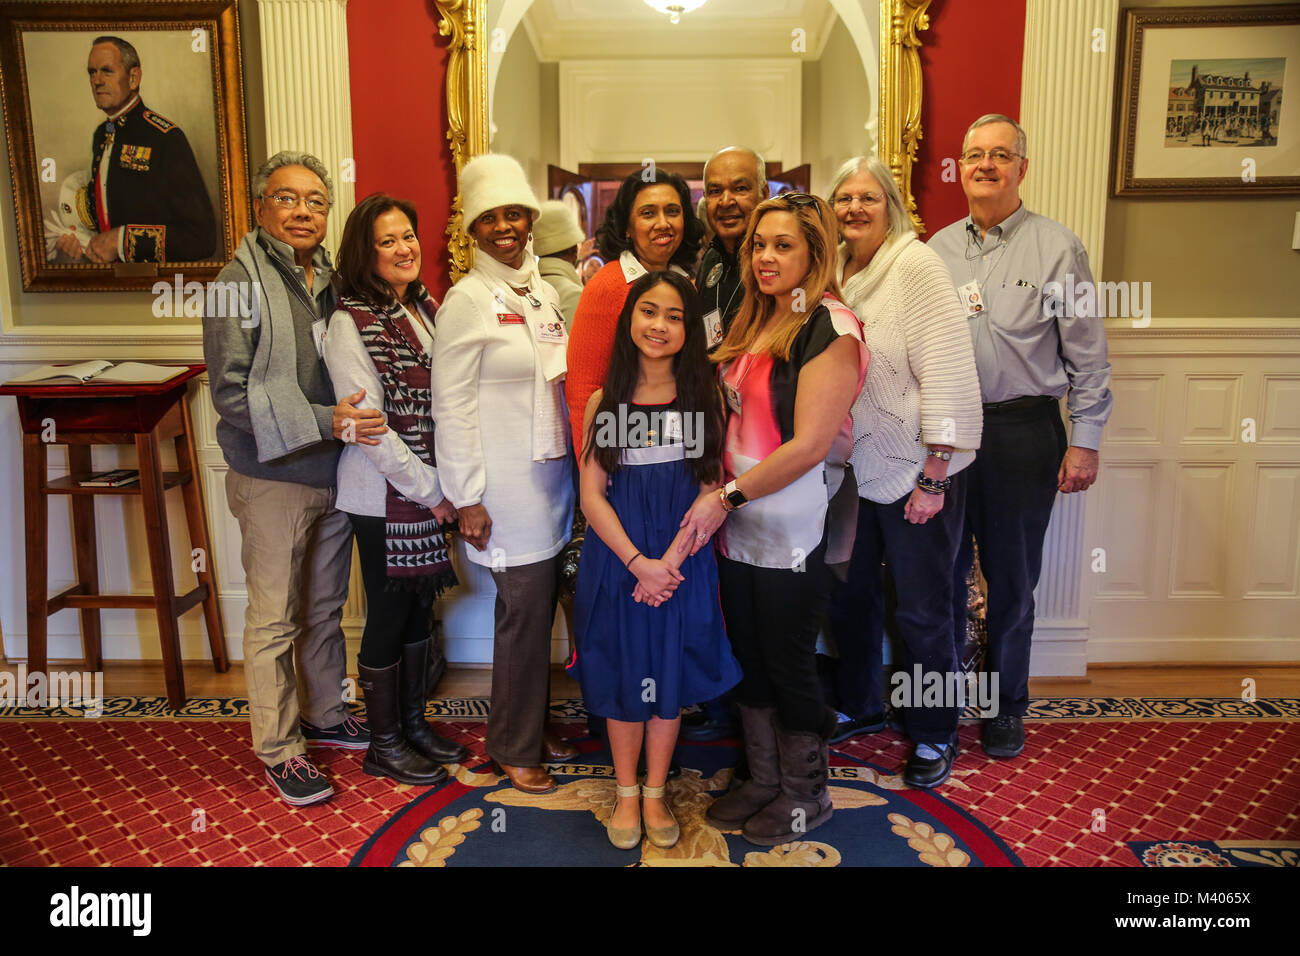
(1198,502)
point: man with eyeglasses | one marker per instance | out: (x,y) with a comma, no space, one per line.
(280,429)
(146,201)
(1031,348)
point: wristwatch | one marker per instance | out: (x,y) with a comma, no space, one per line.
(733,497)
(941,455)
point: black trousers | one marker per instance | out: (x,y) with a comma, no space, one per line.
(393,618)
(1009,499)
(773,617)
(920,558)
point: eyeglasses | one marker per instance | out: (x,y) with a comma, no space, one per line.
(1003,157)
(290,201)
(866,199)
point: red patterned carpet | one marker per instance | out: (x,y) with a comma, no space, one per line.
(188,792)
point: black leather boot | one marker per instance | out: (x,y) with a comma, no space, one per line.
(389,755)
(415,670)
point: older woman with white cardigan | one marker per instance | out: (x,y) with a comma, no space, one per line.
(504,450)
(916,424)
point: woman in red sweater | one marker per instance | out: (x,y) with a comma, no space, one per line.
(651,226)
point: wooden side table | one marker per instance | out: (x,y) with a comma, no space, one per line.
(145,416)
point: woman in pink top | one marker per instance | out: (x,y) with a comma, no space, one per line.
(791,365)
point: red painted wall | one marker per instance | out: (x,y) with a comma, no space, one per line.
(971,59)
(398,64)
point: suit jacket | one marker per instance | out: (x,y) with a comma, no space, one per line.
(154,190)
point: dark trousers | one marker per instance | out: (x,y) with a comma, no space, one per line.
(393,618)
(1009,498)
(773,617)
(521,661)
(920,559)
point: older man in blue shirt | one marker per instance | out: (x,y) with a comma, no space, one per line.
(1019,276)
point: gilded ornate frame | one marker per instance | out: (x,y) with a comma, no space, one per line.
(218,20)
(465,22)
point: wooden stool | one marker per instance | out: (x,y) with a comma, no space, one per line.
(143,415)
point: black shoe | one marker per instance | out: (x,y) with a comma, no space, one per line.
(1004,736)
(352,734)
(925,773)
(389,754)
(699,726)
(418,733)
(298,782)
(846,727)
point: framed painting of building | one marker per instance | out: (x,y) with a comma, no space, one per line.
(126,141)
(1201,105)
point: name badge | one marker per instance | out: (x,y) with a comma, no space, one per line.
(733,396)
(318,336)
(713,328)
(971,297)
(550,330)
(672,426)
(509,318)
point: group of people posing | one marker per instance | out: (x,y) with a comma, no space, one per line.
(835,408)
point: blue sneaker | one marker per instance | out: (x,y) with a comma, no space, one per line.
(352,734)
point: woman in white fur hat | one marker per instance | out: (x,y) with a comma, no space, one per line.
(504,451)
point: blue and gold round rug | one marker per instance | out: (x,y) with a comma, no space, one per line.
(478,819)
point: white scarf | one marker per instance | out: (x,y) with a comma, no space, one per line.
(863,282)
(550,426)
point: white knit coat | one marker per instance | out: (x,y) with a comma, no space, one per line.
(921,386)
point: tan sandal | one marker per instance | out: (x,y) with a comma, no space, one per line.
(662,837)
(625,838)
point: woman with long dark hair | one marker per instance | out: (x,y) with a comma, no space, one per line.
(649,626)
(379,341)
(649,227)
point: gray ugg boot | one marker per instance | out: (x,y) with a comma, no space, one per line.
(804,801)
(730,811)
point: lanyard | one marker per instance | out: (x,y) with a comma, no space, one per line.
(717,294)
(1003,242)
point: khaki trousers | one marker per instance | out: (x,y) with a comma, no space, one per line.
(297,556)
(521,661)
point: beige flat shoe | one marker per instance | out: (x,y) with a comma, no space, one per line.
(662,837)
(625,838)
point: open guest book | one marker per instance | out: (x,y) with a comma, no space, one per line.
(99,372)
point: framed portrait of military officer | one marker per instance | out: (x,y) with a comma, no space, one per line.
(124,124)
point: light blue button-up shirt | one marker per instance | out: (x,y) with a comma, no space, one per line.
(1027,341)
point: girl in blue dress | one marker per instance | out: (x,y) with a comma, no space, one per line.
(650,637)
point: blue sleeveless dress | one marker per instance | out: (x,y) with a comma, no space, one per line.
(632,660)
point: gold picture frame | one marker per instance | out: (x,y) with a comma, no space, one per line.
(465,22)
(186,48)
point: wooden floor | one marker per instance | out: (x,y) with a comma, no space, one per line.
(1103,680)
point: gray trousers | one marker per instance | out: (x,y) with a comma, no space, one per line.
(521,665)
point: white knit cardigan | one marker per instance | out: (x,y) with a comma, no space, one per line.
(921,386)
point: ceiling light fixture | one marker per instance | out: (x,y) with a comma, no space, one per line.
(674,8)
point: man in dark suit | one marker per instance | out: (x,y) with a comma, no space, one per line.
(146,197)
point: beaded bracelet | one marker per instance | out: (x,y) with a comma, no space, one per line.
(933,486)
